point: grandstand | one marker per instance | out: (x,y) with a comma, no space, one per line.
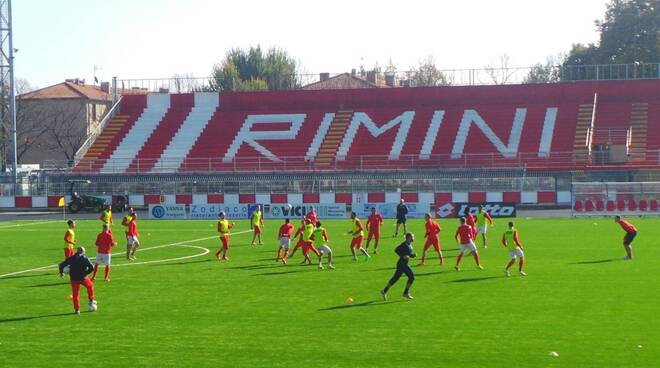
(524,144)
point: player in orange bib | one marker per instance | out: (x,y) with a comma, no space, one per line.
(224,228)
(432,239)
(358,237)
(298,235)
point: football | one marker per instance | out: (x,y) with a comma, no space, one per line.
(66,269)
(289,206)
(92,306)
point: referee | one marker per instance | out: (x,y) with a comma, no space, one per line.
(405,252)
(401,217)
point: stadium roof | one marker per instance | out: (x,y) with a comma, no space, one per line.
(343,81)
(68,90)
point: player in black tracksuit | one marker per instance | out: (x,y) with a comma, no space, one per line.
(405,252)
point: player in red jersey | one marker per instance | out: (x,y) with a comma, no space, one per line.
(285,240)
(464,237)
(470,220)
(132,238)
(69,239)
(631,233)
(432,239)
(104,243)
(374,222)
(298,235)
(308,242)
(358,237)
(312,216)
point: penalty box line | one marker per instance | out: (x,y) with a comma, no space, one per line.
(142,249)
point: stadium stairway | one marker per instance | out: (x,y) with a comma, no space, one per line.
(121,158)
(639,118)
(582,130)
(104,139)
(337,129)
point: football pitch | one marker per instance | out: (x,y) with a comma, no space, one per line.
(176,305)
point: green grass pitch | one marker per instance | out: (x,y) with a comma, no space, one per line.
(580,300)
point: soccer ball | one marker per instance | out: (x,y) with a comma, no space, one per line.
(289,206)
(66,269)
(92,306)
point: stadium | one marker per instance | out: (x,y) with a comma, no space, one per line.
(202,169)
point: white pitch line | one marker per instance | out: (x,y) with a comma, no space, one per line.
(31,223)
(205,251)
(139,250)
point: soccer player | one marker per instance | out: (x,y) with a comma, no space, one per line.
(464,237)
(308,242)
(482,218)
(631,233)
(133,243)
(69,239)
(510,240)
(358,237)
(298,235)
(401,217)
(104,243)
(124,222)
(405,252)
(374,222)
(106,217)
(320,237)
(470,220)
(285,240)
(257,224)
(79,268)
(223,228)
(432,239)
(312,216)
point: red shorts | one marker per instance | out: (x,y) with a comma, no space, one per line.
(374,234)
(435,242)
(68,252)
(357,242)
(225,241)
(307,246)
(257,229)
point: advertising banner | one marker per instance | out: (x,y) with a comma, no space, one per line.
(388,210)
(211,211)
(167,211)
(495,210)
(323,211)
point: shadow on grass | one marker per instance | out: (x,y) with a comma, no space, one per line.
(370,303)
(282,273)
(183,263)
(475,279)
(47,285)
(430,273)
(19,319)
(257,267)
(25,276)
(597,261)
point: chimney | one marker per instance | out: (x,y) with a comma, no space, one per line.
(105,87)
(371,76)
(324,77)
(389,80)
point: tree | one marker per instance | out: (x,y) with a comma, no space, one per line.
(426,74)
(502,73)
(27,131)
(550,72)
(629,34)
(64,134)
(250,70)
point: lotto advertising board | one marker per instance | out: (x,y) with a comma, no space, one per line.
(323,211)
(167,211)
(495,210)
(388,210)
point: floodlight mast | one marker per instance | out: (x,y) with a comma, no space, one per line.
(8,95)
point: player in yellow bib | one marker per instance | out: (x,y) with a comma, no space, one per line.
(106,217)
(510,240)
(125,221)
(69,239)
(320,238)
(224,227)
(482,218)
(257,224)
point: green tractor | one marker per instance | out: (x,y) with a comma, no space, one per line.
(81,202)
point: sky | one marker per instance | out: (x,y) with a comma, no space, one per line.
(141,39)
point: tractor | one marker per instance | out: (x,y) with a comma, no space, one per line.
(82,202)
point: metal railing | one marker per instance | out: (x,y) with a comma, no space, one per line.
(91,138)
(451,77)
(363,163)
